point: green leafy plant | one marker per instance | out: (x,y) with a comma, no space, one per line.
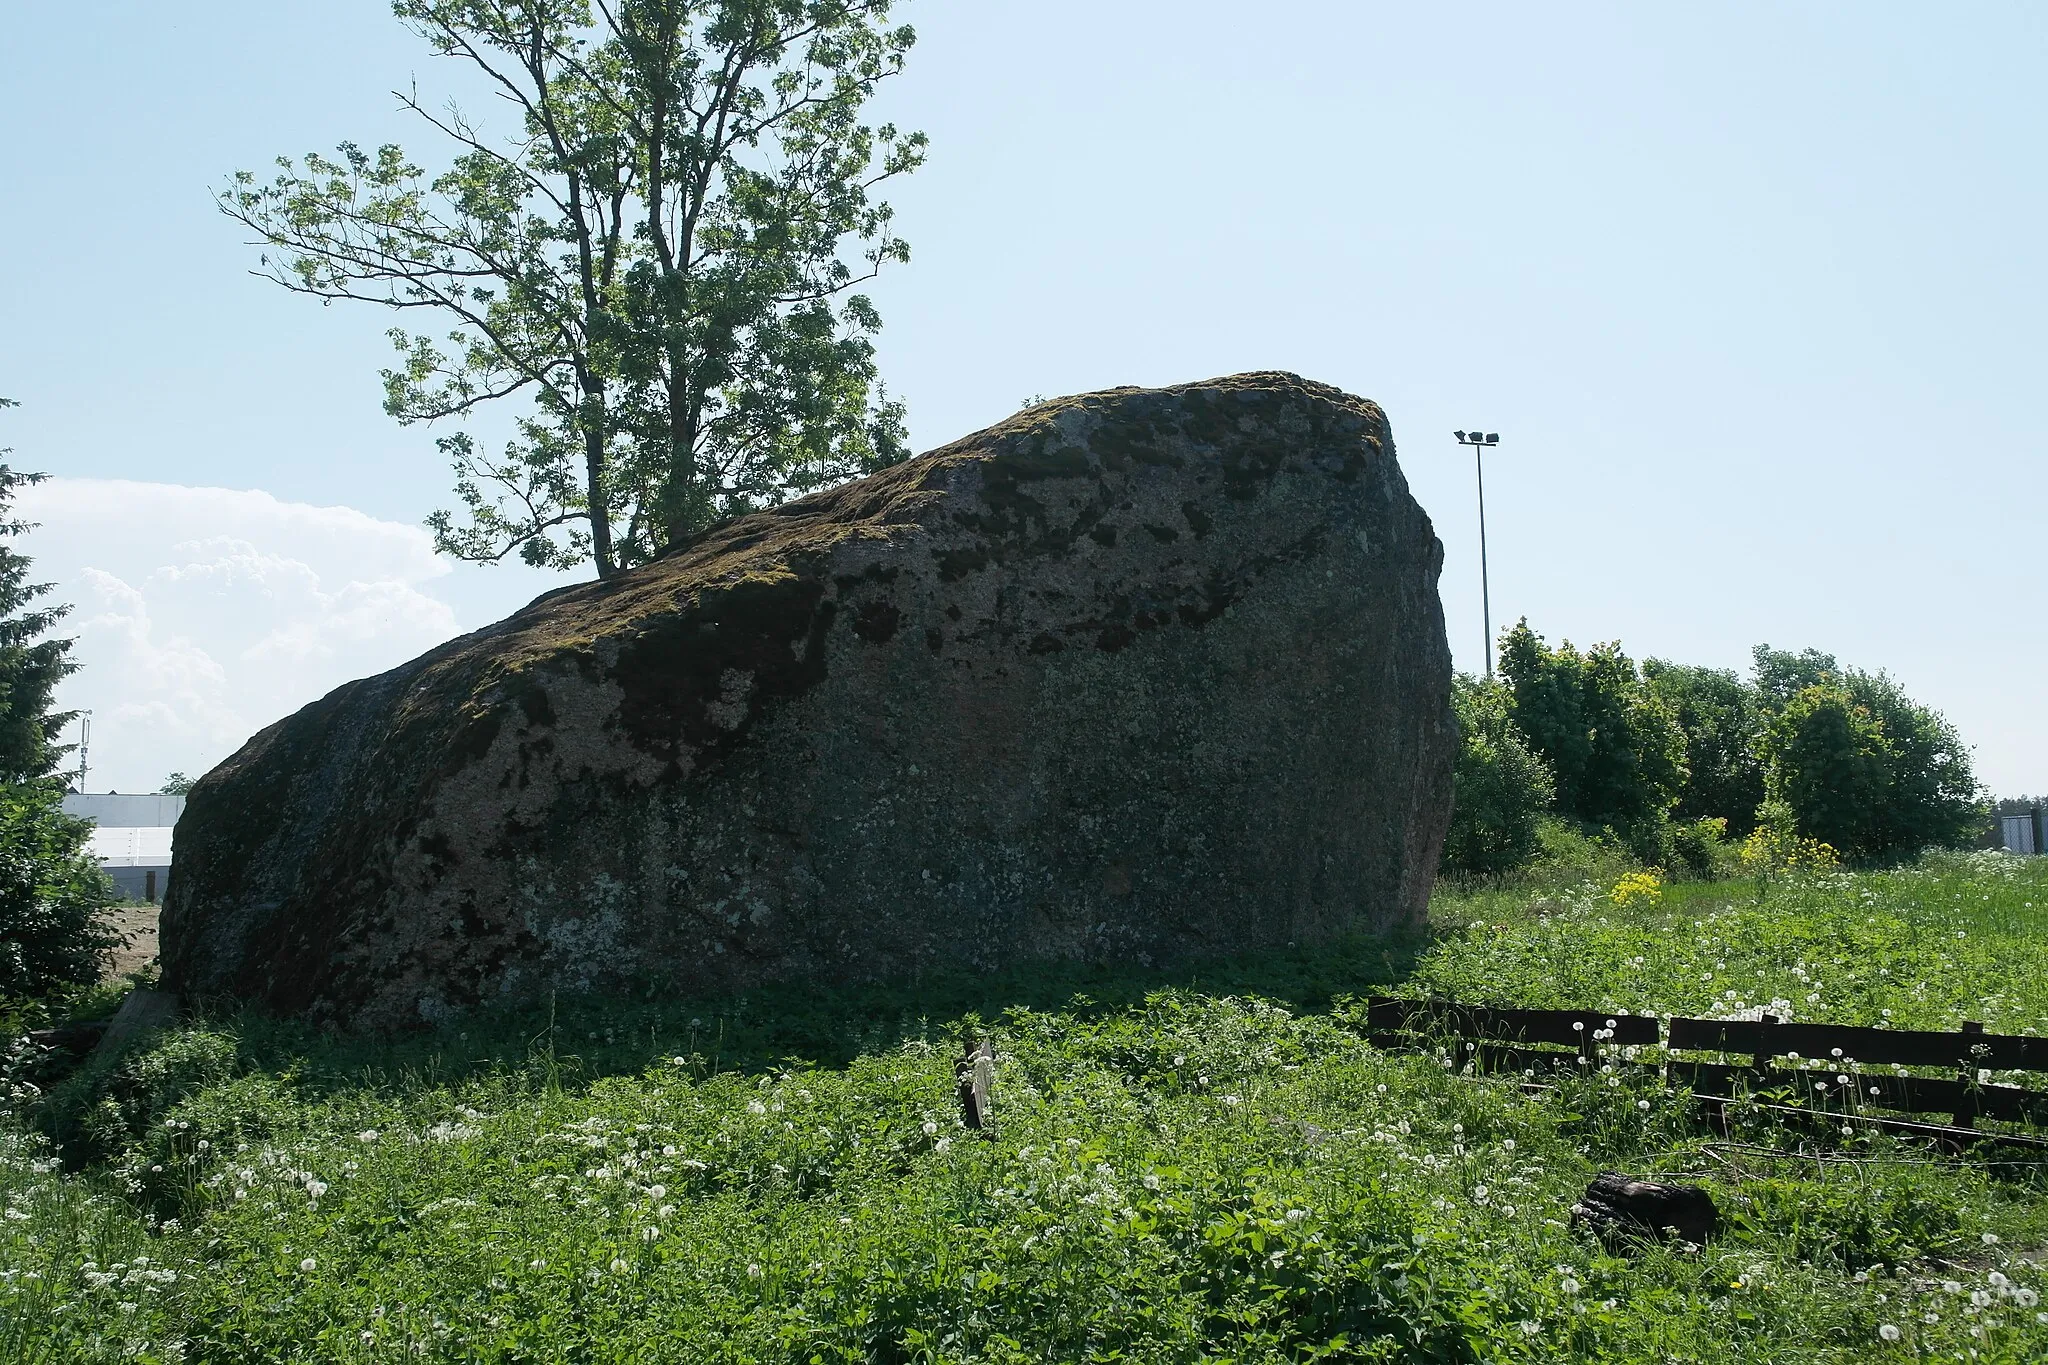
(51,889)
(51,895)
(1182,1172)
(1701,847)
(1611,741)
(1862,766)
(1721,718)
(659,255)
(1501,788)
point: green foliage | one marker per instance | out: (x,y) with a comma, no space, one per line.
(51,890)
(177,784)
(1501,787)
(1721,718)
(1955,937)
(1830,764)
(1702,848)
(30,666)
(659,257)
(51,895)
(1862,766)
(1782,675)
(1612,743)
(1180,1176)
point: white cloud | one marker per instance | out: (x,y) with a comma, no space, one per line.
(203,614)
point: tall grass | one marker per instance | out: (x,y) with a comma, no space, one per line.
(1203,1165)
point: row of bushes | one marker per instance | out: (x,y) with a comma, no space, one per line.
(1668,758)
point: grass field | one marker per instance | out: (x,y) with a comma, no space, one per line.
(1209,1164)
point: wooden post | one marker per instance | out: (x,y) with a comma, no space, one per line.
(1966,1072)
(1764,1050)
(974,1077)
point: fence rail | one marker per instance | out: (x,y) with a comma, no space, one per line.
(1497,1040)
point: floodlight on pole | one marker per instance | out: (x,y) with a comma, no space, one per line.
(1479,441)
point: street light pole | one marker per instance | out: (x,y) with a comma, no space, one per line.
(1479,441)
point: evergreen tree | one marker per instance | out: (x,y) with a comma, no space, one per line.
(30,666)
(51,888)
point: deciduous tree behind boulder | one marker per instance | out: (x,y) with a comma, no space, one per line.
(1612,743)
(1501,786)
(656,249)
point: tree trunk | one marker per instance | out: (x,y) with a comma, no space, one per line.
(679,496)
(600,510)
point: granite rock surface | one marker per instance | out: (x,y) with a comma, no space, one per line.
(1143,674)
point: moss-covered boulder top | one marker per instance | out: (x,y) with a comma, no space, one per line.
(1143,673)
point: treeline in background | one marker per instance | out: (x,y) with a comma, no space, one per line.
(1677,765)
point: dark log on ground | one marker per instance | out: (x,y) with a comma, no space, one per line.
(1621,1209)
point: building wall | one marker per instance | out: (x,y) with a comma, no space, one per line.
(133,839)
(2023,833)
(112,810)
(139,883)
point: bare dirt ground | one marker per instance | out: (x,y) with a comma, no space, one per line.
(138,924)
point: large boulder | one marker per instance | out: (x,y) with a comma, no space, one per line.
(1135,675)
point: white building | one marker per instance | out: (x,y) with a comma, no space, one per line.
(2026,833)
(132,839)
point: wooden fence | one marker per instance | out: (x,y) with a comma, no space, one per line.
(1843,1087)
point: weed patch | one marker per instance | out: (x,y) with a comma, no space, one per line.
(1218,1166)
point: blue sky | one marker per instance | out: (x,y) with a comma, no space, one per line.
(1751,292)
